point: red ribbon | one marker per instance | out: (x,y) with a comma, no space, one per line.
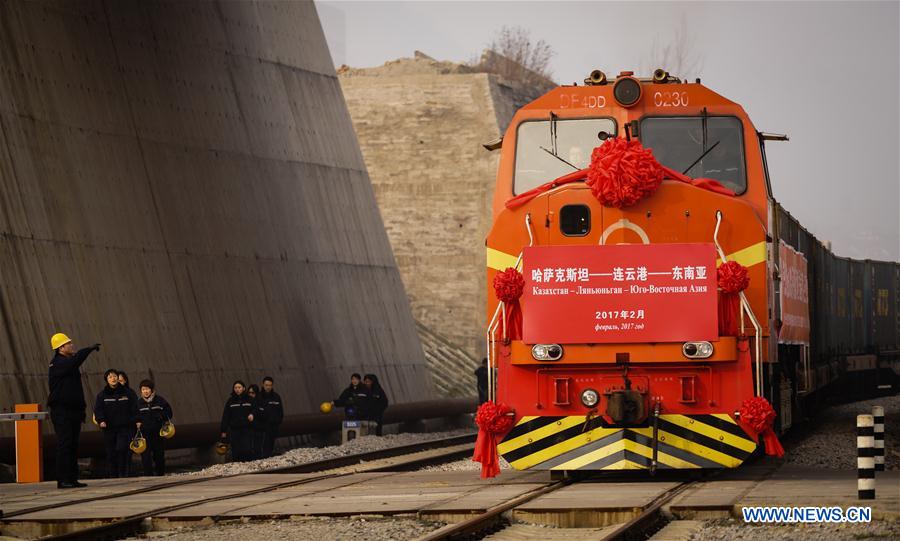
(508,287)
(494,421)
(759,415)
(732,278)
(621,174)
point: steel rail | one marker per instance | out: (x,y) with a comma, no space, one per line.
(136,523)
(637,527)
(389,452)
(306,467)
(490,518)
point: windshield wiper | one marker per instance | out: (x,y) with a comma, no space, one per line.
(557,156)
(698,159)
(553,133)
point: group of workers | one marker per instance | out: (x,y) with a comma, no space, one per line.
(124,416)
(364,399)
(119,412)
(251,419)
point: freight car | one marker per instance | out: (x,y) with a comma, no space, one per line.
(646,292)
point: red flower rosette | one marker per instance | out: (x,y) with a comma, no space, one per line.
(494,421)
(508,287)
(759,416)
(732,278)
(623,172)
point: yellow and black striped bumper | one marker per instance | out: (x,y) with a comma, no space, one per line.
(572,443)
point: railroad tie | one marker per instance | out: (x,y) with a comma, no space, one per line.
(865,461)
(878,415)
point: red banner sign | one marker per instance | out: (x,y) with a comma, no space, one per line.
(794,296)
(622,293)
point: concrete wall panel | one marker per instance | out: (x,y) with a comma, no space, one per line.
(181,181)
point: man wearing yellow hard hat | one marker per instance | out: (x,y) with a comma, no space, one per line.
(67,406)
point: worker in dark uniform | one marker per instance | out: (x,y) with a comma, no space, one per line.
(257,425)
(123,382)
(236,419)
(116,413)
(67,406)
(270,401)
(153,412)
(481,377)
(377,402)
(353,398)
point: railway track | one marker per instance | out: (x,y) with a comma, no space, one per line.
(650,520)
(399,458)
(504,520)
(494,524)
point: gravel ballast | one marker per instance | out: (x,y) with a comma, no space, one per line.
(303,455)
(466,464)
(318,529)
(832,443)
(737,530)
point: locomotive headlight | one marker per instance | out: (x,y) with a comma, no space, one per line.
(697,350)
(546,352)
(589,398)
(627,91)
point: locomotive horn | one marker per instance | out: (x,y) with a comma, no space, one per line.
(660,75)
(597,77)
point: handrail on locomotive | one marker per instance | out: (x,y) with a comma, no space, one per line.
(491,352)
(745,308)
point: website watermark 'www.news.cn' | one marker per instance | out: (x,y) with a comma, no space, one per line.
(806,514)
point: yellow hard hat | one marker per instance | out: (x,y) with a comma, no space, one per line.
(138,444)
(167,430)
(325,407)
(58,340)
(221,448)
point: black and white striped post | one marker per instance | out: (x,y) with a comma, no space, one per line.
(865,452)
(878,415)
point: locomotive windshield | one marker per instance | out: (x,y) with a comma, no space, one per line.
(711,146)
(546,150)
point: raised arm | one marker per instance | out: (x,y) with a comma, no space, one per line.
(67,364)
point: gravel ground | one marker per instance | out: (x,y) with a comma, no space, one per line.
(319,529)
(737,530)
(832,445)
(311,454)
(465,464)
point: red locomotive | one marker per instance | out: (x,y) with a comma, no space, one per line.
(645,290)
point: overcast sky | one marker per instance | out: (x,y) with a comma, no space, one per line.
(826,73)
